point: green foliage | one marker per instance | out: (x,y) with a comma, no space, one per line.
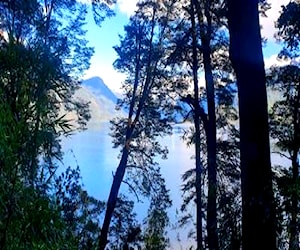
(79,211)
(289,27)
(285,130)
(285,127)
(43,53)
(125,232)
(102,9)
(285,189)
(157,218)
(36,83)
(149,92)
(284,122)
(29,219)
(81,214)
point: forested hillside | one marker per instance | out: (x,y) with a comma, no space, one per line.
(101,101)
(233,197)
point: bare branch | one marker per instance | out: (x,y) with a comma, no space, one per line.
(282,155)
(132,189)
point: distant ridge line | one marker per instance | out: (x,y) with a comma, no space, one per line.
(97,85)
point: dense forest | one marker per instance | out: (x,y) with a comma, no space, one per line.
(237,198)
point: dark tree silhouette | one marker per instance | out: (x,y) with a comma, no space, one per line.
(141,57)
(197,111)
(258,220)
(206,32)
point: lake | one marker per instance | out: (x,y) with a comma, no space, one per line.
(92,151)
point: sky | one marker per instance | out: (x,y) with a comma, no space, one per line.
(105,37)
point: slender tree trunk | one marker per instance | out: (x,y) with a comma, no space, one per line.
(258,216)
(294,234)
(197,136)
(132,120)
(205,36)
(112,199)
(118,178)
(212,234)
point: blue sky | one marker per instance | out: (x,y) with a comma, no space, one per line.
(105,37)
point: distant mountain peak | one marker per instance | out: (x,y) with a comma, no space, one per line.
(98,87)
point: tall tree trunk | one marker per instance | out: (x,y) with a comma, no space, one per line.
(112,200)
(197,135)
(213,243)
(258,216)
(118,178)
(205,36)
(294,235)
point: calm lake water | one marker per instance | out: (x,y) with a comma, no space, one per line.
(92,151)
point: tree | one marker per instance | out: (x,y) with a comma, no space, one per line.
(79,212)
(284,115)
(198,111)
(204,14)
(205,44)
(43,52)
(125,232)
(258,218)
(228,194)
(289,29)
(157,218)
(285,130)
(142,56)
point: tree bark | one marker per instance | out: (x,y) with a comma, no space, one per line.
(112,200)
(213,242)
(258,216)
(197,135)
(294,235)
(118,178)
(205,36)
(132,121)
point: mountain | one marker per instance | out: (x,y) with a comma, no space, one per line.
(99,88)
(102,102)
